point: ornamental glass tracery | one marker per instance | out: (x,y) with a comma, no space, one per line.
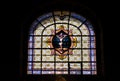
(61,42)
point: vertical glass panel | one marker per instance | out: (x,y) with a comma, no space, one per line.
(46,43)
(93,43)
(30,44)
(93,66)
(93,55)
(86,55)
(84,30)
(37,42)
(29,51)
(88,24)
(85,42)
(29,66)
(29,58)
(73,30)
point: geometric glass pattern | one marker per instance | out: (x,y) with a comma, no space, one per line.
(61,42)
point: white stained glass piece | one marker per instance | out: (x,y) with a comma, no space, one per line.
(61,66)
(59,26)
(37,52)
(36,72)
(85,42)
(74,58)
(74,30)
(30,38)
(30,52)
(75,72)
(58,58)
(30,44)
(46,42)
(93,66)
(61,72)
(39,30)
(36,58)
(49,30)
(37,39)
(47,21)
(84,30)
(47,72)
(86,55)
(47,66)
(48,58)
(29,66)
(93,42)
(77,42)
(75,66)
(75,22)
(46,52)
(87,72)
(77,52)
(37,42)
(86,66)
(93,58)
(29,72)
(29,58)
(37,66)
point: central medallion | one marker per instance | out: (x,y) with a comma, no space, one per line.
(61,42)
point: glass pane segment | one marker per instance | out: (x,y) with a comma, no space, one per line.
(75,22)
(86,66)
(47,21)
(47,66)
(85,42)
(61,66)
(49,30)
(86,55)
(74,30)
(84,30)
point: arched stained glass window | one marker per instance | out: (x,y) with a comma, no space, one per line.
(61,42)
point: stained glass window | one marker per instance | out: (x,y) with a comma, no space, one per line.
(61,42)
